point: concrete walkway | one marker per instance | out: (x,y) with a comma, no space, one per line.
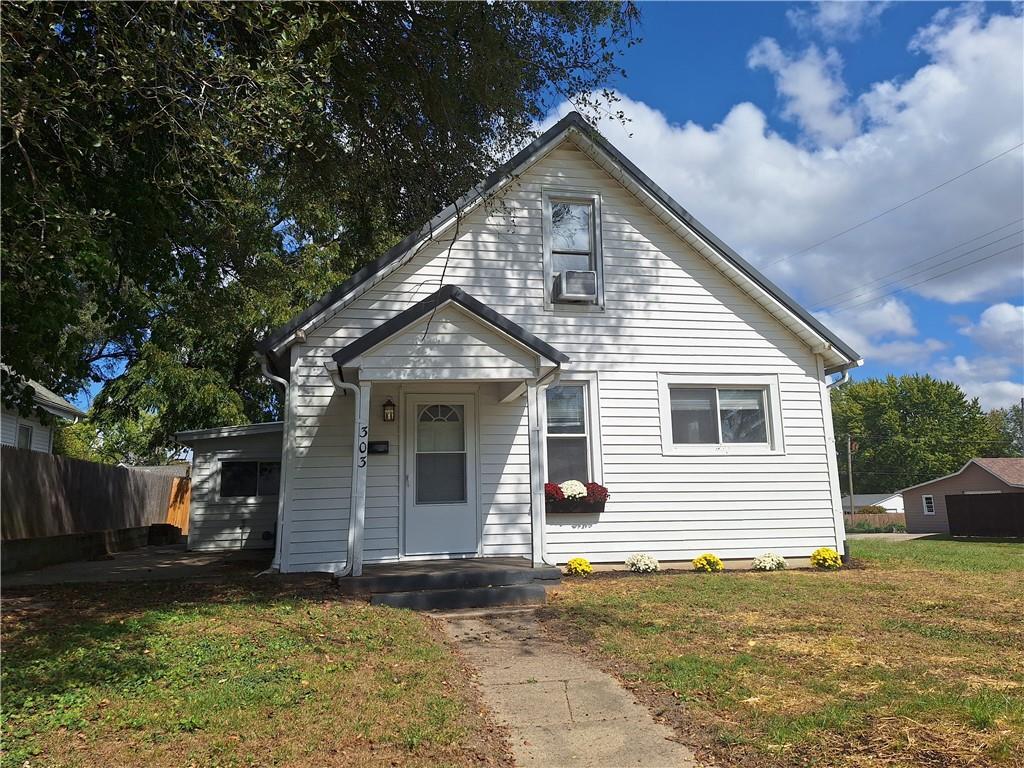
(888,536)
(560,710)
(146,564)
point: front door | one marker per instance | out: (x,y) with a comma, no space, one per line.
(440,476)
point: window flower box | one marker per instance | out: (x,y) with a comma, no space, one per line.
(573,496)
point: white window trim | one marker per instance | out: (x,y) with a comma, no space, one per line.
(248,499)
(773,402)
(924,504)
(571,196)
(591,404)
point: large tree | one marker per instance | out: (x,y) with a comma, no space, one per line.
(908,429)
(180,177)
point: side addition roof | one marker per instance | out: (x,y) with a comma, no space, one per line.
(455,295)
(1009,471)
(741,271)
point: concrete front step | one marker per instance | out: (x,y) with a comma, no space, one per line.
(369,584)
(533,593)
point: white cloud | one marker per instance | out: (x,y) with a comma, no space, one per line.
(870,332)
(1000,328)
(837,20)
(986,378)
(812,87)
(770,197)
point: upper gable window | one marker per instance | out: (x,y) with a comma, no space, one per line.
(573,268)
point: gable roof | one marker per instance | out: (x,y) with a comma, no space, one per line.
(455,295)
(1009,471)
(51,402)
(741,272)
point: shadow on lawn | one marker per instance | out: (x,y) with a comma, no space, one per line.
(62,639)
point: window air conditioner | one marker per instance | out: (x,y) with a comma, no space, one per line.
(575,285)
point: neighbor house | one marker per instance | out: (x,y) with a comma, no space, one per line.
(926,504)
(892,503)
(30,432)
(565,320)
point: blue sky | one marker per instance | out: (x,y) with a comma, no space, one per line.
(780,124)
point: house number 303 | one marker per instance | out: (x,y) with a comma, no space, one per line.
(363,432)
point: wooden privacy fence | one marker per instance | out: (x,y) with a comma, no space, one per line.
(44,495)
(986,514)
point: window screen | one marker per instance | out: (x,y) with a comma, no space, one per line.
(711,415)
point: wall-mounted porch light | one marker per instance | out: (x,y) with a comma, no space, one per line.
(389,410)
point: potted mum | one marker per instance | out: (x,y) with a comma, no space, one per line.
(574,496)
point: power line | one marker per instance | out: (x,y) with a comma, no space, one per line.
(893,208)
(822,303)
(927,279)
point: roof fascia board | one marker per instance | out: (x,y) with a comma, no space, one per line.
(448,294)
(193,435)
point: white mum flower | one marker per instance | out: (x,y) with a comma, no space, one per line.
(769,561)
(642,563)
(573,489)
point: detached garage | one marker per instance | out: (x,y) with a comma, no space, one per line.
(236,479)
(984,498)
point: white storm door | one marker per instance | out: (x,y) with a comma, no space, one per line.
(440,476)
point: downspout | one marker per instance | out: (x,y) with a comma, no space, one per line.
(840,381)
(282,491)
(354,499)
(550,379)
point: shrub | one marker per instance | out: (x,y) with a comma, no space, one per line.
(578,566)
(642,563)
(865,527)
(827,558)
(872,509)
(708,563)
(769,561)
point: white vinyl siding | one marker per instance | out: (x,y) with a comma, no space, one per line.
(668,312)
(233,522)
(11,421)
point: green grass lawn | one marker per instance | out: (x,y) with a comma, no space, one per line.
(238,674)
(913,657)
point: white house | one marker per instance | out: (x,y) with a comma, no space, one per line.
(28,431)
(890,502)
(565,320)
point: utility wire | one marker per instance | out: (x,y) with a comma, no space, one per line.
(927,279)
(894,208)
(822,303)
(861,292)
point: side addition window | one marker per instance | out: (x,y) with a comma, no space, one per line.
(25,436)
(241,479)
(572,249)
(928,503)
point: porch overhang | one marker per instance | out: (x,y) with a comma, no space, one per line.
(448,336)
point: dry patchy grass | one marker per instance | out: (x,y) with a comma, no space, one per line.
(916,658)
(278,672)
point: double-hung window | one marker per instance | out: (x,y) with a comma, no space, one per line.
(735,416)
(928,504)
(248,479)
(25,436)
(568,435)
(572,249)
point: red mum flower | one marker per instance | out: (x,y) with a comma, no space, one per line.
(597,493)
(553,493)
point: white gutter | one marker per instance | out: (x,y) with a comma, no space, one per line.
(840,381)
(282,494)
(357,503)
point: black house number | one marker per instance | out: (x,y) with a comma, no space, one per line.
(363,432)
